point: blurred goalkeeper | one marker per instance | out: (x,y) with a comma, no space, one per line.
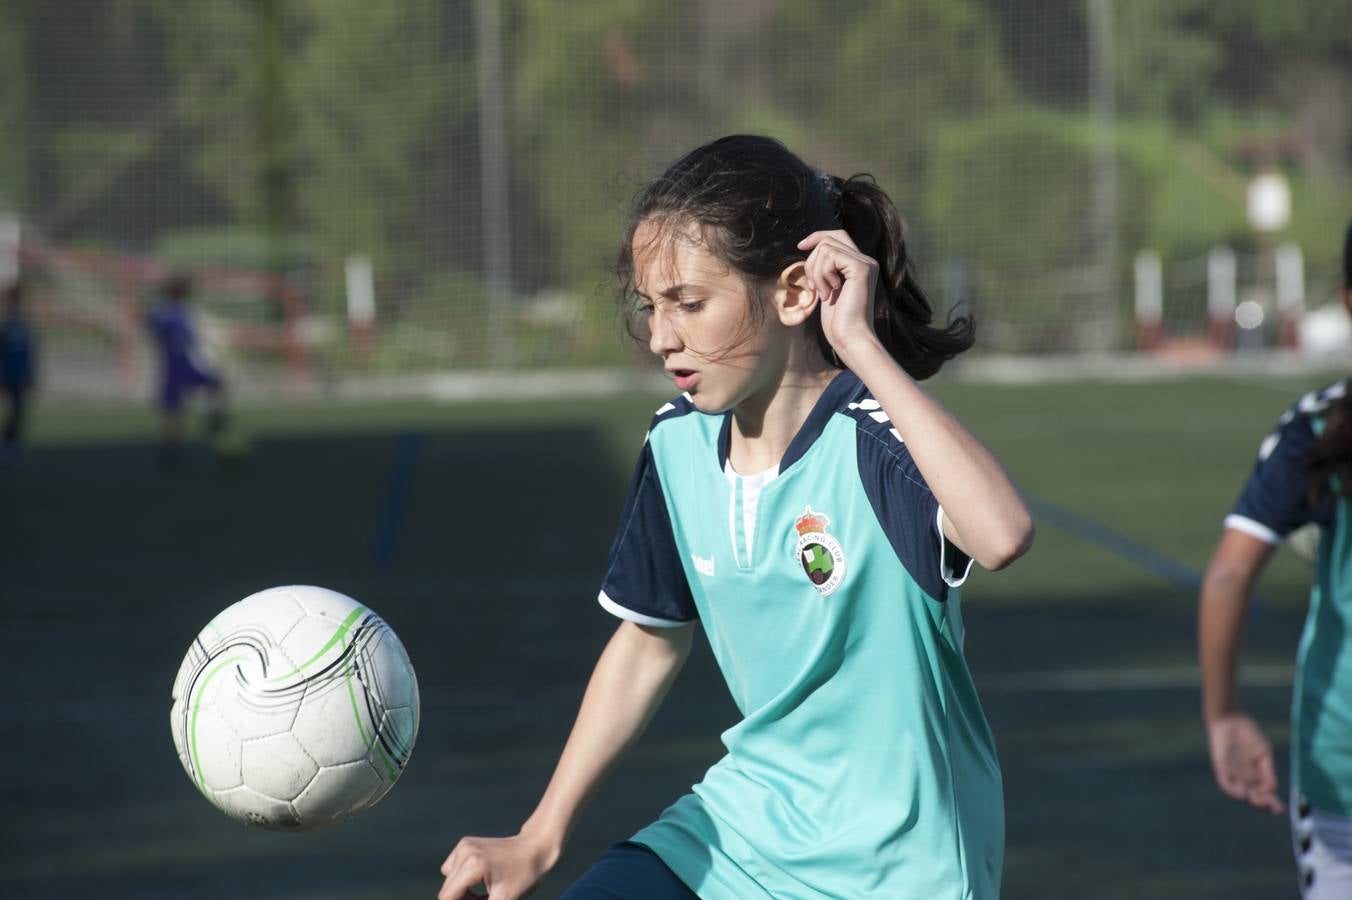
(182,369)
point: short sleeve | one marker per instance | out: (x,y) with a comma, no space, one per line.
(908,512)
(954,565)
(1275,501)
(645,581)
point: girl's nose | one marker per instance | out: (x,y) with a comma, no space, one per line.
(662,338)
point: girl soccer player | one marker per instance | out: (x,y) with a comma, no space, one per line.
(815,511)
(1303,477)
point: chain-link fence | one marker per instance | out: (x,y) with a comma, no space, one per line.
(382,189)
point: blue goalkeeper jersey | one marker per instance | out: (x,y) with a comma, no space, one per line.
(1275,501)
(173,329)
(863,766)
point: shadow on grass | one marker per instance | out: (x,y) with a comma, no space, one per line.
(111,566)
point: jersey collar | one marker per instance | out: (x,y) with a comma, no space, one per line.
(838,393)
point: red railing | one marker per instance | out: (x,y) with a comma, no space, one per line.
(129,276)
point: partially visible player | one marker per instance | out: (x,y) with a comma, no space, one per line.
(18,367)
(815,511)
(1303,476)
(182,369)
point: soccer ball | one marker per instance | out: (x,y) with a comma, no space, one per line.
(296,707)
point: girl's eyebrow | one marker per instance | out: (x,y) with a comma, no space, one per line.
(675,290)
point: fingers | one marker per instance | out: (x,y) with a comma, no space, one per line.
(1258,776)
(1244,770)
(833,260)
(816,237)
(1266,801)
(1229,781)
(463,869)
(459,888)
(1263,791)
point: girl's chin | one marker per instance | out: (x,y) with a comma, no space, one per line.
(707,403)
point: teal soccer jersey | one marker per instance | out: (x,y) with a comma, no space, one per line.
(1274,503)
(863,766)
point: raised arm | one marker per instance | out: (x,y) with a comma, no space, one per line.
(629,682)
(1241,756)
(984,516)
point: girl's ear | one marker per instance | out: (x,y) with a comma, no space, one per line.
(794,300)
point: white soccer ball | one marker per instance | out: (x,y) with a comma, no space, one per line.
(296,707)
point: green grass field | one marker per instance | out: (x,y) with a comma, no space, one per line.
(488,569)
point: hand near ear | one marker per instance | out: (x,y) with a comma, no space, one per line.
(845,279)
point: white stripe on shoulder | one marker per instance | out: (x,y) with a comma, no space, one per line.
(664,409)
(1252,528)
(1318,401)
(638,618)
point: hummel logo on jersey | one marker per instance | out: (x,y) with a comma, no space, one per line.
(703,566)
(819,553)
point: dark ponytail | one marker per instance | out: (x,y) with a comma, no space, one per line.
(902,310)
(1331,456)
(753,200)
(1330,459)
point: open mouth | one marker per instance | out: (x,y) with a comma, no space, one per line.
(685,378)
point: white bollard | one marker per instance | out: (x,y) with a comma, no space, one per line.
(1149,295)
(1220,294)
(1290,263)
(361,302)
(9,248)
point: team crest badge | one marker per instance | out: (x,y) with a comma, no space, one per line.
(819,553)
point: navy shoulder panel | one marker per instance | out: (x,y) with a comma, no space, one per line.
(1275,501)
(682,406)
(645,581)
(673,409)
(906,508)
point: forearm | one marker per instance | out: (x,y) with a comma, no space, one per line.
(1221,611)
(629,682)
(1224,602)
(991,522)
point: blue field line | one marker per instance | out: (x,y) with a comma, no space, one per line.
(397,487)
(1180,575)
(1171,570)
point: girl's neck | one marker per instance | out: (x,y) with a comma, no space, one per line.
(765,424)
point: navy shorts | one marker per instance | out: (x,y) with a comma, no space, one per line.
(629,871)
